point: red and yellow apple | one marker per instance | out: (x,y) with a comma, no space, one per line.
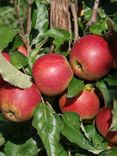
(18,104)
(90,57)
(86,104)
(52,73)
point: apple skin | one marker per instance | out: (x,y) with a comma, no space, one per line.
(52,74)
(7,57)
(90,57)
(103,122)
(22,50)
(19,104)
(85,104)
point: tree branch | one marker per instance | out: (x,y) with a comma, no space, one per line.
(74,10)
(17,8)
(28,29)
(94,13)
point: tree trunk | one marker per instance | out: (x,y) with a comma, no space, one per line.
(59,14)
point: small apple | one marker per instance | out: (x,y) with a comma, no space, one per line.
(22,50)
(86,104)
(90,57)
(18,104)
(52,74)
(103,122)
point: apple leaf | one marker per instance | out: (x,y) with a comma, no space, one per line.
(2,154)
(28,148)
(72,132)
(2,139)
(7,34)
(59,36)
(113,126)
(18,60)
(101,85)
(111,80)
(17,42)
(75,87)
(111,152)
(96,139)
(78,154)
(48,125)
(12,75)
(39,22)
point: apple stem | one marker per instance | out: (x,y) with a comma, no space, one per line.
(89,87)
(94,14)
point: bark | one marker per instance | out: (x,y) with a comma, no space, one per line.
(59,14)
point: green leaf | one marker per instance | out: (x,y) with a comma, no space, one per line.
(2,139)
(96,139)
(111,80)
(2,154)
(59,35)
(7,35)
(102,13)
(71,131)
(112,1)
(75,87)
(99,27)
(112,152)
(113,126)
(26,149)
(18,60)
(101,85)
(78,154)
(48,125)
(17,42)
(39,22)
(12,75)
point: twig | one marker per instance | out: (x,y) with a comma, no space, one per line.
(94,14)
(17,8)
(28,29)
(74,10)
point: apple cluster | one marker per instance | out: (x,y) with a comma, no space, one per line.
(90,59)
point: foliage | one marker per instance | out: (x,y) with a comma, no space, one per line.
(50,132)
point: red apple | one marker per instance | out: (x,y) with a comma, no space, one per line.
(52,74)
(22,50)
(7,57)
(103,122)
(19,104)
(90,57)
(86,104)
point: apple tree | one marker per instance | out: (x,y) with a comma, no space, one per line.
(58,78)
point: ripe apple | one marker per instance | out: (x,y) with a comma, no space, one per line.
(7,57)
(22,50)
(52,74)
(19,104)
(103,122)
(86,104)
(90,57)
